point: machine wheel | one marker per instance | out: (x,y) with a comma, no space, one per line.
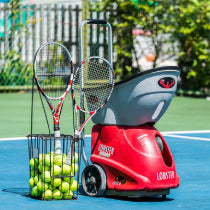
(164,197)
(94,180)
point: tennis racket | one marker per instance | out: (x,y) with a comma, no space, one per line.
(92,86)
(53,73)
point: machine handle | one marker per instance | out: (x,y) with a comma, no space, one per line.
(96,21)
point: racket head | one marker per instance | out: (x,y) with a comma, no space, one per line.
(92,84)
(53,70)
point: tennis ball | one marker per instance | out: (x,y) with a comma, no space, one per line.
(56,182)
(47,194)
(34,172)
(43,168)
(57,194)
(45,159)
(46,177)
(69,179)
(56,170)
(74,186)
(41,158)
(64,187)
(66,169)
(42,186)
(74,168)
(50,187)
(31,182)
(37,178)
(68,195)
(75,158)
(59,159)
(51,153)
(35,192)
(48,159)
(34,162)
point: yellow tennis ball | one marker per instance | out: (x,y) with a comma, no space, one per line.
(75,158)
(31,182)
(68,195)
(57,194)
(42,186)
(37,178)
(64,187)
(47,194)
(50,186)
(69,178)
(41,158)
(59,160)
(48,159)
(51,153)
(74,186)
(74,168)
(35,192)
(66,169)
(46,177)
(43,168)
(34,172)
(56,170)
(56,182)
(33,162)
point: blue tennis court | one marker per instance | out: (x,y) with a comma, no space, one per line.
(191,154)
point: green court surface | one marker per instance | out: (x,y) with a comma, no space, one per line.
(15,112)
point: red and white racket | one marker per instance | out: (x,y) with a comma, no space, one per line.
(92,86)
(53,73)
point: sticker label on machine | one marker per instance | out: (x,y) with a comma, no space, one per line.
(105,151)
(164,175)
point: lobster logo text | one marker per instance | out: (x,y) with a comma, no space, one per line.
(165,175)
(105,151)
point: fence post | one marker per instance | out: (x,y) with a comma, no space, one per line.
(6,42)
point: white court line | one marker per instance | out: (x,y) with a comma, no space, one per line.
(167,133)
(184,132)
(187,137)
(22,138)
(13,139)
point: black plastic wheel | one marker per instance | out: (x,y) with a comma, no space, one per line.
(94,180)
(164,197)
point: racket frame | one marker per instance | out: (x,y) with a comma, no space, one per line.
(77,107)
(55,112)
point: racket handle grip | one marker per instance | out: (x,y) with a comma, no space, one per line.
(96,21)
(57,143)
(71,152)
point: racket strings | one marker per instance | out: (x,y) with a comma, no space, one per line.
(53,70)
(94,82)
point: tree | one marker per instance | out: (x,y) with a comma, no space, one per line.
(15,71)
(191,32)
(182,25)
(123,18)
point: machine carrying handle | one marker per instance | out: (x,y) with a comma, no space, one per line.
(96,21)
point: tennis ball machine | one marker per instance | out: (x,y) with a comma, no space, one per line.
(129,155)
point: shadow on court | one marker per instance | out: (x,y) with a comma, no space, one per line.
(19,191)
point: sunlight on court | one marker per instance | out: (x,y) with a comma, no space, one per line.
(190,151)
